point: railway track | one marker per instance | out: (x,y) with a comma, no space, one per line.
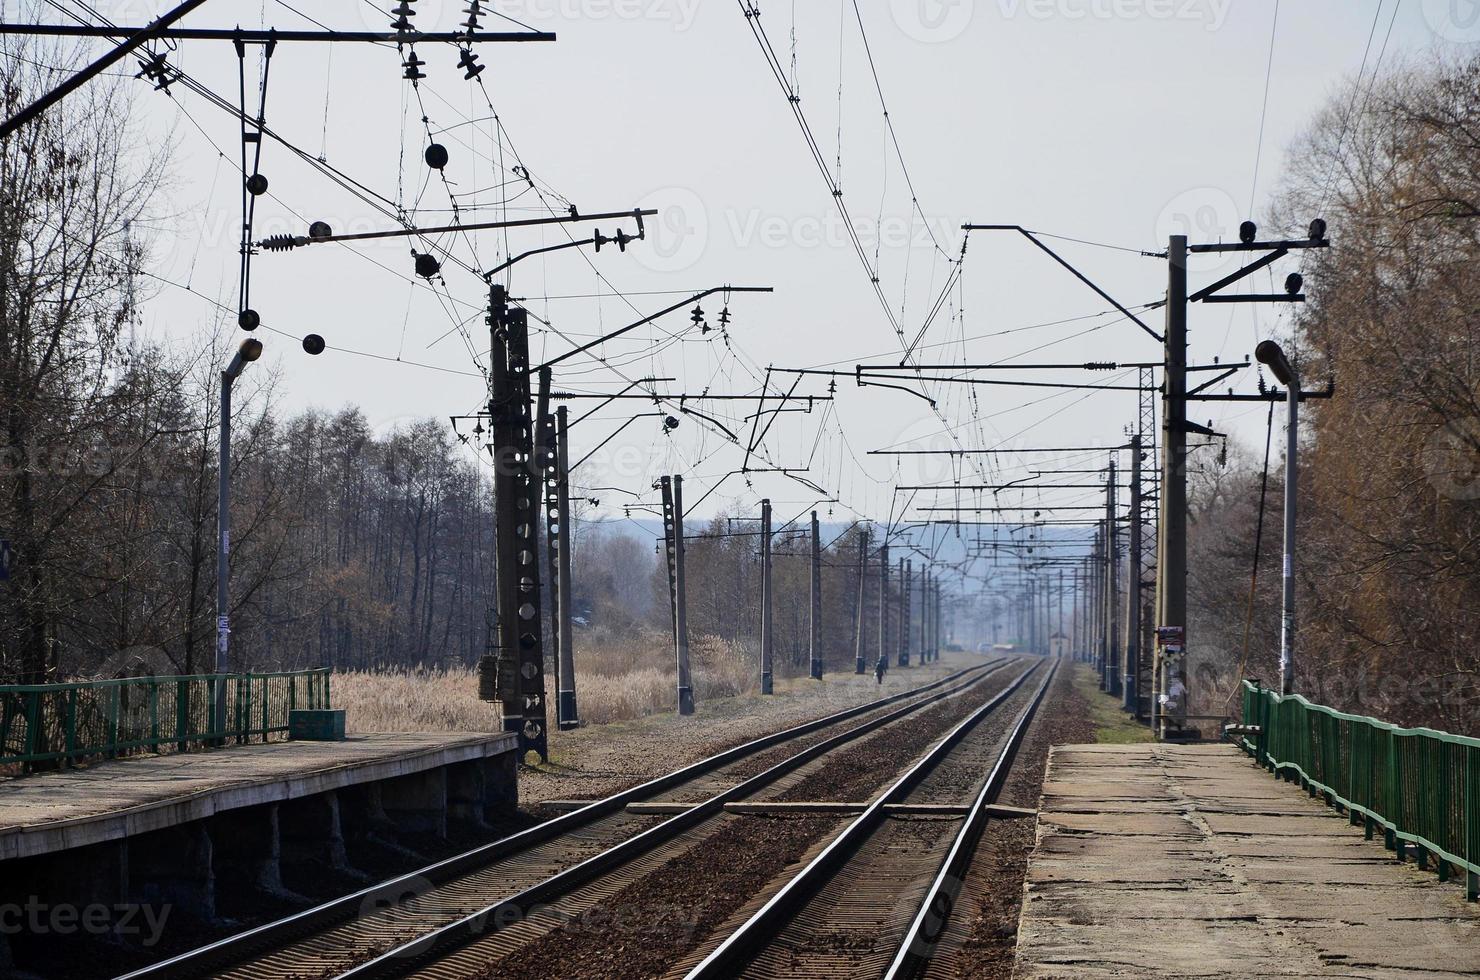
(875,900)
(390,929)
(564,937)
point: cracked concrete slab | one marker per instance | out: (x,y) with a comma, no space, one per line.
(1190,861)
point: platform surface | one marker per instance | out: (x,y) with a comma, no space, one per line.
(1190,861)
(55,811)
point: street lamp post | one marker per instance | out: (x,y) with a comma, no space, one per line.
(248,352)
(1269,354)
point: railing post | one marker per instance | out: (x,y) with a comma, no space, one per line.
(69,727)
(182,715)
(153,714)
(115,697)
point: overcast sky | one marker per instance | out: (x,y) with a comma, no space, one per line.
(1112,121)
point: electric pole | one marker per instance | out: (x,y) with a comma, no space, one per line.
(1060,626)
(1112,587)
(767,624)
(1133,590)
(1270,354)
(884,604)
(566,710)
(906,585)
(513,672)
(858,651)
(815,593)
(924,631)
(677,589)
(1171,572)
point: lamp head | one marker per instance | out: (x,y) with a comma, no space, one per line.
(249,351)
(1272,356)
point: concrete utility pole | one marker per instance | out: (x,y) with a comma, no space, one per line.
(1170,697)
(248,352)
(513,674)
(566,708)
(884,605)
(858,651)
(1112,586)
(1034,640)
(1074,617)
(1172,573)
(1133,590)
(815,639)
(933,647)
(1059,625)
(1269,353)
(1097,579)
(906,579)
(767,625)
(924,614)
(677,589)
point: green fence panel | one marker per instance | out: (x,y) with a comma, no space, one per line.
(1419,786)
(62,724)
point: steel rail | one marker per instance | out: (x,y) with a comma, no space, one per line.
(918,945)
(409,957)
(281,932)
(741,947)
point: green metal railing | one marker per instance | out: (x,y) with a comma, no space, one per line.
(65,723)
(1419,786)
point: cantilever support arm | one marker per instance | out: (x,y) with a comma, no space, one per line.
(142,36)
(858,378)
(1076,273)
(649,319)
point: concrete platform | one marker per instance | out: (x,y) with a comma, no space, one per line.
(1190,861)
(58,811)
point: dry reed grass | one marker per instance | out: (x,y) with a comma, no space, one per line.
(618,679)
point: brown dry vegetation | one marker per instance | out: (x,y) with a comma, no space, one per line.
(617,681)
(1388,572)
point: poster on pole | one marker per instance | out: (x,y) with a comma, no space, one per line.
(1170,636)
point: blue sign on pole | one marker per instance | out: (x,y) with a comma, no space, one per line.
(6,555)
